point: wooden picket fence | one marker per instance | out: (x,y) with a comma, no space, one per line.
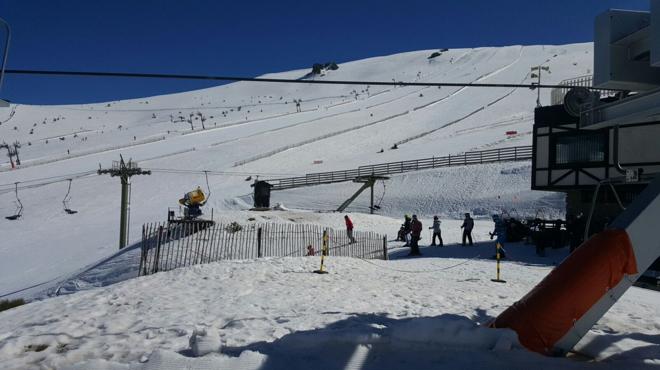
(166,246)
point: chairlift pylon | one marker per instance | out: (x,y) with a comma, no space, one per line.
(208,188)
(19,209)
(67,198)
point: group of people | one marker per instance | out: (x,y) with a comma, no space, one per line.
(411,232)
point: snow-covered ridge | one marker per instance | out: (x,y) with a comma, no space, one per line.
(248,120)
(274,313)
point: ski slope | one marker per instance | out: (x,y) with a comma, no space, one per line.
(272,313)
(421,313)
(257,124)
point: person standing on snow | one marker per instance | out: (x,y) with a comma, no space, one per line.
(500,232)
(575,228)
(406,228)
(416,234)
(468,225)
(349,229)
(436,231)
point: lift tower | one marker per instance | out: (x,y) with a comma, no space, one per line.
(125,170)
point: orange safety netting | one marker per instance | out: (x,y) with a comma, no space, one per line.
(547,312)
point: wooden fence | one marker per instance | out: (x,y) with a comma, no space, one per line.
(169,246)
(516,153)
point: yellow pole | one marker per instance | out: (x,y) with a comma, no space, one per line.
(324,252)
(497,256)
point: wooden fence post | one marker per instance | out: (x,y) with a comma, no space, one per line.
(143,255)
(259,254)
(157,257)
(385,257)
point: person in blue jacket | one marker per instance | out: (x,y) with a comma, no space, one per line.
(500,232)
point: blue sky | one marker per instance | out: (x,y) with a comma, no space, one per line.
(249,38)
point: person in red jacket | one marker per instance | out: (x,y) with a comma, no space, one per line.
(416,234)
(349,229)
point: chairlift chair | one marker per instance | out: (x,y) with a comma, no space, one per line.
(19,209)
(67,198)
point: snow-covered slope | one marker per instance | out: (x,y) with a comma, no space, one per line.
(274,314)
(343,126)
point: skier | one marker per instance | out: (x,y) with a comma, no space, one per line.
(405,229)
(416,233)
(298,105)
(500,232)
(310,250)
(468,225)
(349,229)
(436,231)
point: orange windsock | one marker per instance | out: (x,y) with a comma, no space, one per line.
(548,312)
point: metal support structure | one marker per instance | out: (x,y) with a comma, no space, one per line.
(633,109)
(125,209)
(17,146)
(124,170)
(10,153)
(371,201)
(367,181)
(638,220)
(536,72)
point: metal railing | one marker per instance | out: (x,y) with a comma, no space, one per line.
(557,95)
(516,153)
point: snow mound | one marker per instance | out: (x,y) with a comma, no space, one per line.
(168,360)
(453,331)
(280,207)
(204,341)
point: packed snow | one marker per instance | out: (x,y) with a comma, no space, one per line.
(273,313)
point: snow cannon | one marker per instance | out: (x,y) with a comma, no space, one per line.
(195,197)
(192,201)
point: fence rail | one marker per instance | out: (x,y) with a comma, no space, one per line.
(515,153)
(169,246)
(557,94)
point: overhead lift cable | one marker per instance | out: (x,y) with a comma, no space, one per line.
(223,173)
(284,80)
(58,178)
